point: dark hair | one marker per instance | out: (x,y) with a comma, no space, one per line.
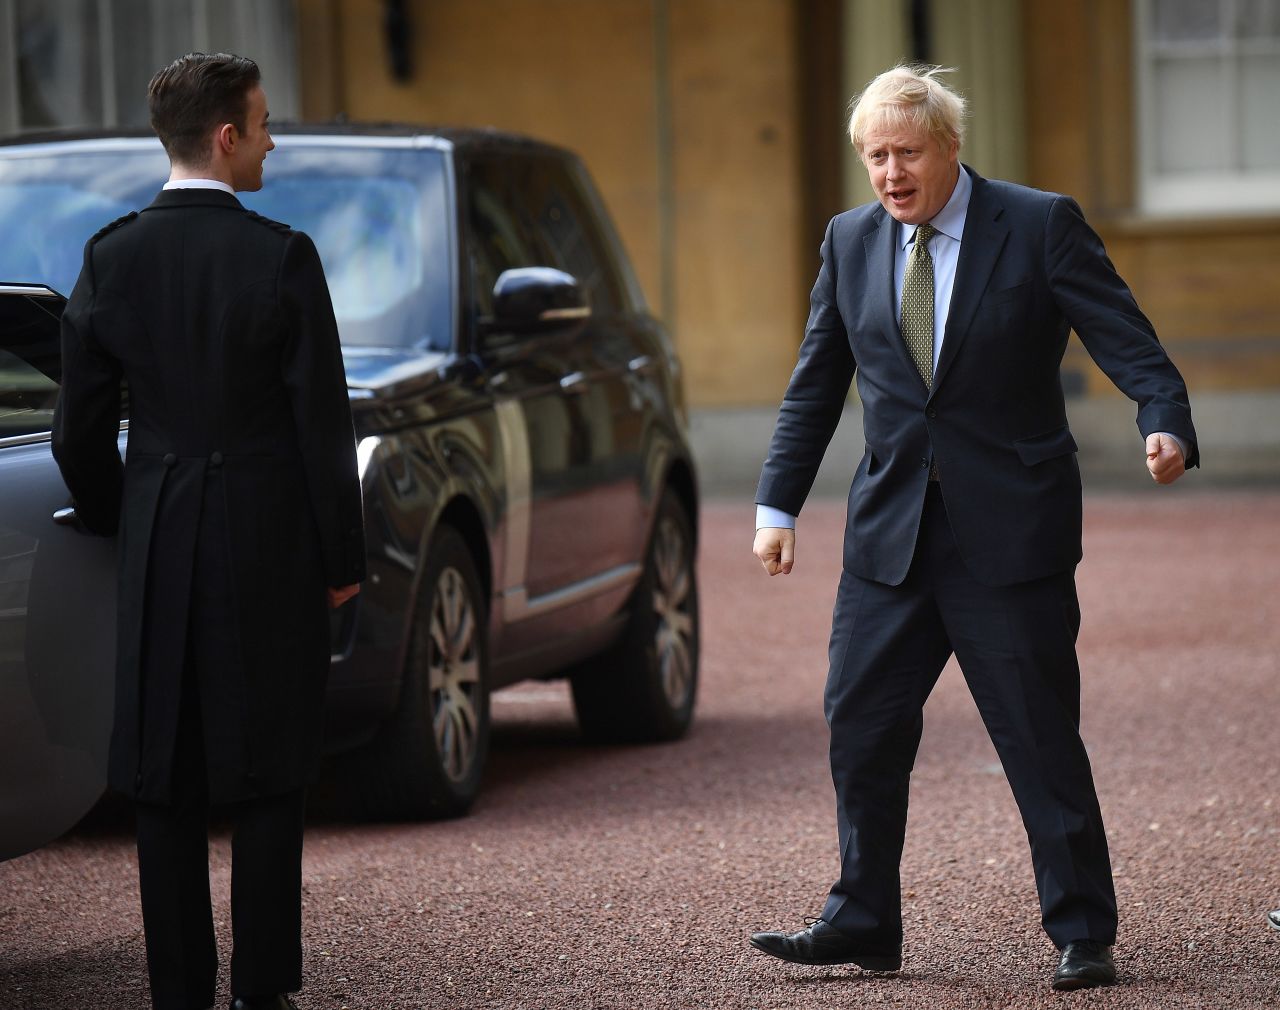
(195,94)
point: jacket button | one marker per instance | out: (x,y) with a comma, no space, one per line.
(924,462)
(215,459)
(170,459)
(933,412)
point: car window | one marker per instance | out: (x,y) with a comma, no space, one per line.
(551,200)
(46,225)
(379,217)
(380,222)
(27,397)
(498,237)
(525,212)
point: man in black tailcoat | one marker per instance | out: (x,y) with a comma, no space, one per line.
(239,514)
(950,299)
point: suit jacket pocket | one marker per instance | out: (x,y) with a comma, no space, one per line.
(1014,293)
(1051,444)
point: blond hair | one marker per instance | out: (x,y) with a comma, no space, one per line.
(909,97)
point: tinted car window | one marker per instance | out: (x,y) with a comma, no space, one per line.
(551,199)
(379,217)
(529,212)
(498,237)
(27,397)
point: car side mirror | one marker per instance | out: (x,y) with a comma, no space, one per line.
(530,300)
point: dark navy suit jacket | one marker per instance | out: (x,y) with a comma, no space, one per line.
(1030,270)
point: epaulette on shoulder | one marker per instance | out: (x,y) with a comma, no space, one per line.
(107,229)
(283,229)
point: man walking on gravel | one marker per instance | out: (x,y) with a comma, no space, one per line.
(950,299)
(239,515)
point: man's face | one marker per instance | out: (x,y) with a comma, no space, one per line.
(912,173)
(252,145)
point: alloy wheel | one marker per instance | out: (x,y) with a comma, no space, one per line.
(672,603)
(453,665)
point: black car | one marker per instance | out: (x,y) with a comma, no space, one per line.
(530,497)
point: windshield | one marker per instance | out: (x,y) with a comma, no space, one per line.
(379,217)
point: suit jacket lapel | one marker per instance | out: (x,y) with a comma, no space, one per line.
(984,237)
(879,250)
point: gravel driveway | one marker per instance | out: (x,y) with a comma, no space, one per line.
(629,877)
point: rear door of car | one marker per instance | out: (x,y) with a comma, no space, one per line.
(57,600)
(605,473)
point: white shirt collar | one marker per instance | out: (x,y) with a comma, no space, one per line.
(199,184)
(950,220)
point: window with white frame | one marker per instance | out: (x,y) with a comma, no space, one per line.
(1208,78)
(86,63)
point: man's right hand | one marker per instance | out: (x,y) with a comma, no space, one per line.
(776,549)
(339,596)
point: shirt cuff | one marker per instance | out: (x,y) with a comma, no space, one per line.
(767,515)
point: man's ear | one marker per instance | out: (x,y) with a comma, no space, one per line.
(225,139)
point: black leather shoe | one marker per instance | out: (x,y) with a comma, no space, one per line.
(1273,919)
(1084,964)
(280,1002)
(821,943)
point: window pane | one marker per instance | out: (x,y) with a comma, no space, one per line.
(568,231)
(497,239)
(1190,124)
(1258,19)
(1185,20)
(59,75)
(27,397)
(1259,118)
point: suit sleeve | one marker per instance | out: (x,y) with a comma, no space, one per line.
(815,396)
(1120,339)
(317,384)
(86,420)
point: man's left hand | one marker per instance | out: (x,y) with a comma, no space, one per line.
(1164,458)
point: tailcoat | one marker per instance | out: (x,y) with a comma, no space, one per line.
(238,501)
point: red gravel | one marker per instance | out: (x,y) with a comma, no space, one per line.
(629,877)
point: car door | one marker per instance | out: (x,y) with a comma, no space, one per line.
(540,422)
(57,600)
(610,381)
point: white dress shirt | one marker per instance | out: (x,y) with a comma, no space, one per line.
(199,184)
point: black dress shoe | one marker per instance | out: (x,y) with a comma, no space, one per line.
(821,943)
(280,1002)
(1084,964)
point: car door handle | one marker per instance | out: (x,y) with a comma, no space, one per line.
(642,365)
(574,382)
(65,516)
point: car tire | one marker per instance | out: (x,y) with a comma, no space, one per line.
(431,758)
(644,687)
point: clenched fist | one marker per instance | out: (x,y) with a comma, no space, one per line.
(1164,458)
(776,549)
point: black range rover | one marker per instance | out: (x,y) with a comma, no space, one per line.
(530,497)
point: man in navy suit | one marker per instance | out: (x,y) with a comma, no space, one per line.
(951,300)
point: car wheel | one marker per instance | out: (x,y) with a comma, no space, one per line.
(431,758)
(644,687)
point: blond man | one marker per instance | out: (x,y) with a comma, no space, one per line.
(950,300)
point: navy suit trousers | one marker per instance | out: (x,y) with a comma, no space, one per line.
(1016,647)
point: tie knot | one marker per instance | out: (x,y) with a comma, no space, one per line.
(923,233)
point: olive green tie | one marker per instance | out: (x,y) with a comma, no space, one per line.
(917,303)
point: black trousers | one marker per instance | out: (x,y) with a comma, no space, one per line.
(173,874)
(1016,647)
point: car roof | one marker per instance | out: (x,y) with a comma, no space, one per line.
(470,140)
